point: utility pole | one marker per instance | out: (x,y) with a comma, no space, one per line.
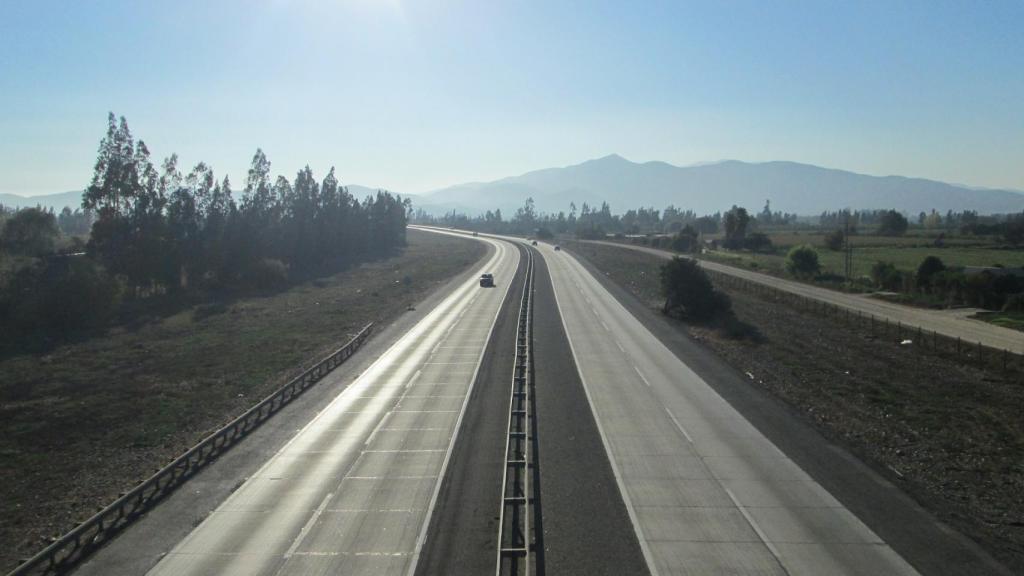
(847,250)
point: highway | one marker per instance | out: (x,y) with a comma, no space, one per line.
(644,466)
(352,492)
(707,493)
(952,323)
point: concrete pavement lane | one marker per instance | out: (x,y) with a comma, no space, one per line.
(353,490)
(463,533)
(954,324)
(707,493)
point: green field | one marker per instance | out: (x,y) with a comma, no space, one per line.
(905,252)
(1011,320)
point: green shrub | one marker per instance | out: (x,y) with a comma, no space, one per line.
(685,240)
(886,276)
(802,261)
(1014,303)
(928,268)
(688,291)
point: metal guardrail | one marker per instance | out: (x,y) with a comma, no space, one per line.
(67,551)
(515,536)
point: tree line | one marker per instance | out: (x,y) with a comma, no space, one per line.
(156,232)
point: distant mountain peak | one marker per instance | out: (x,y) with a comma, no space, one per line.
(609,159)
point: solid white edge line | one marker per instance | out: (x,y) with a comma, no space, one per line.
(644,548)
(422,538)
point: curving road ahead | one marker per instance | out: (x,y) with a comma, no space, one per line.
(952,323)
(353,491)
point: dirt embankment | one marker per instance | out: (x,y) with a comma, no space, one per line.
(90,419)
(951,435)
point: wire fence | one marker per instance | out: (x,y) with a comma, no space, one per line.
(66,552)
(967,352)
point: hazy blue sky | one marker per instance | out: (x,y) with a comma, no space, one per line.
(414,95)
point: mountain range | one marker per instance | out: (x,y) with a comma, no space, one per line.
(789,186)
(55,201)
(704,188)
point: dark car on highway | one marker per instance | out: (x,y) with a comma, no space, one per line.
(487,280)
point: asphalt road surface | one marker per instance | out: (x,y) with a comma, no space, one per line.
(706,491)
(352,492)
(952,323)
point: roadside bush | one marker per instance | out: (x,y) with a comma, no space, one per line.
(886,276)
(987,290)
(951,283)
(834,240)
(979,291)
(544,234)
(927,270)
(268,274)
(802,261)
(689,293)
(1015,303)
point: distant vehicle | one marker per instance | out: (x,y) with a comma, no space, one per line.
(534,242)
(487,280)
(557,248)
(475,234)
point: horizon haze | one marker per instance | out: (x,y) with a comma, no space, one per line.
(421,96)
